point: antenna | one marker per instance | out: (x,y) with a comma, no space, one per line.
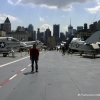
(96,14)
(70,21)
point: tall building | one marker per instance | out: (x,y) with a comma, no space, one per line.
(91,28)
(98,25)
(20,28)
(95,25)
(1,26)
(51,41)
(74,31)
(31,30)
(66,34)
(38,34)
(7,25)
(85,26)
(47,35)
(79,28)
(56,30)
(42,36)
(70,29)
(62,37)
(34,36)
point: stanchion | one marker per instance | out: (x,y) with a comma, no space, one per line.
(13,53)
(21,53)
(25,52)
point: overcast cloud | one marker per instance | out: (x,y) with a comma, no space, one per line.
(93,10)
(53,4)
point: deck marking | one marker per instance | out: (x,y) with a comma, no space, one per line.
(13,77)
(13,61)
(23,69)
(29,65)
(18,72)
(5,82)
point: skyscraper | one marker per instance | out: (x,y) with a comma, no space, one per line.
(31,30)
(70,29)
(47,34)
(34,36)
(62,36)
(1,26)
(98,25)
(7,25)
(56,30)
(38,34)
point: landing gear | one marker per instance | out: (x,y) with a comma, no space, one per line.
(94,55)
(81,53)
(5,54)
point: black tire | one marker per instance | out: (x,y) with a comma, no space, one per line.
(5,54)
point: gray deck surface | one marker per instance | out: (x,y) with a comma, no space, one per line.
(59,78)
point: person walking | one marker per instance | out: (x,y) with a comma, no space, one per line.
(63,50)
(34,57)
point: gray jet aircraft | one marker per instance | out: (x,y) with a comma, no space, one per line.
(90,46)
(8,44)
(29,44)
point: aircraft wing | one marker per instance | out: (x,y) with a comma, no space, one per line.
(28,46)
(25,45)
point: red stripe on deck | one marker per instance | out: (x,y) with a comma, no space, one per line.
(18,72)
(27,67)
(4,82)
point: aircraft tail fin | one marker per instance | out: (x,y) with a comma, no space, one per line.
(69,41)
(93,38)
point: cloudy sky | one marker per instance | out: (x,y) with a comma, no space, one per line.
(44,13)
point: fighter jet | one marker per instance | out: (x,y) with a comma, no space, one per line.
(69,41)
(29,44)
(8,44)
(26,45)
(90,46)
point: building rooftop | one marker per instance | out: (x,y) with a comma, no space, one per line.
(7,20)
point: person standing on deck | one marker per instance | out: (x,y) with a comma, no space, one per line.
(34,57)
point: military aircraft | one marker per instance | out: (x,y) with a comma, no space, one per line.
(74,43)
(8,44)
(26,45)
(90,46)
(29,44)
(68,41)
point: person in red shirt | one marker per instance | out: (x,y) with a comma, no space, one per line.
(34,56)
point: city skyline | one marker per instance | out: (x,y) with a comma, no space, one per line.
(43,14)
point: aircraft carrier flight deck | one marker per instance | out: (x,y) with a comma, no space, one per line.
(60,77)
